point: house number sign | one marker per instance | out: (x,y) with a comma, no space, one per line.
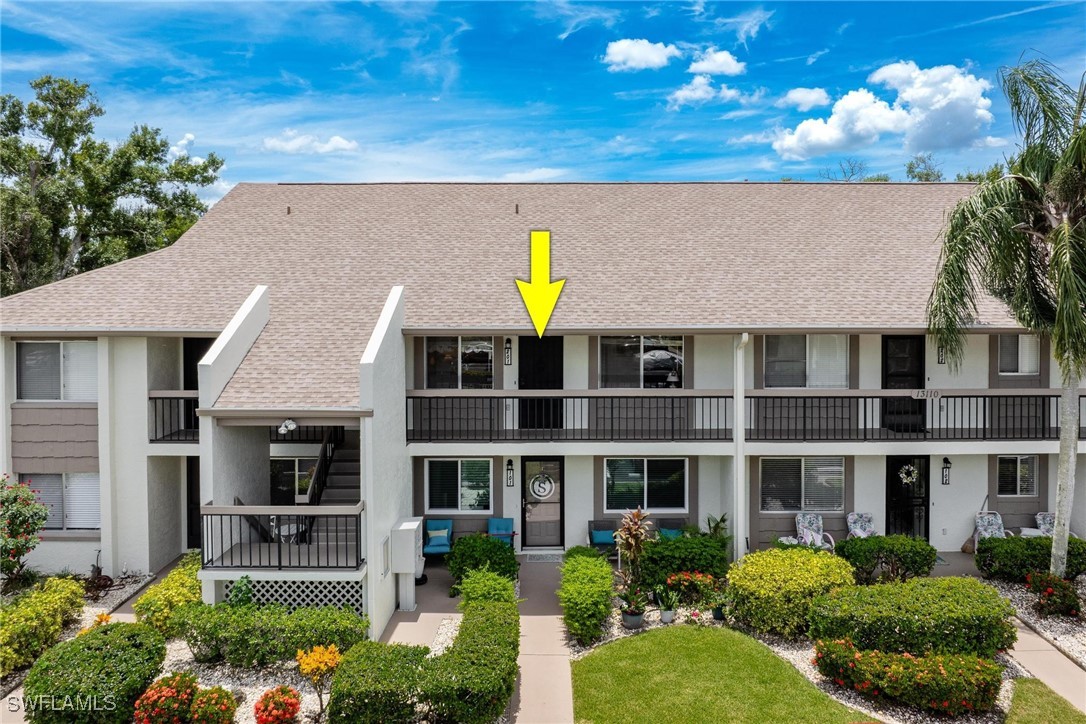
(542,486)
(927,394)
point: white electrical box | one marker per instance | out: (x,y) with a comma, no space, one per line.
(407,559)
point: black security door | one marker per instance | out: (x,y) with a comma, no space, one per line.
(907,496)
(192,502)
(540,369)
(903,369)
(541,501)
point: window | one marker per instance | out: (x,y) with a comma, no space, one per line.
(1017,475)
(1019,354)
(72,499)
(292,476)
(817,361)
(458,486)
(57,371)
(465,363)
(641,362)
(803,484)
(656,484)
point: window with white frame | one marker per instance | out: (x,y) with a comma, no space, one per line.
(293,474)
(655,484)
(465,363)
(1016,475)
(1019,354)
(641,362)
(72,499)
(459,486)
(817,361)
(57,371)
(814,484)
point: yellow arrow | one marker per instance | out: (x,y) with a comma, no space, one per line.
(540,294)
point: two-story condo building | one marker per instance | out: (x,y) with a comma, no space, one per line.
(310,364)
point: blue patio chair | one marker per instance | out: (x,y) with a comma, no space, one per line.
(501,528)
(438,537)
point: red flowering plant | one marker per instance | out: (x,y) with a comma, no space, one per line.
(167,701)
(694,588)
(278,706)
(1055,596)
(21,519)
(213,706)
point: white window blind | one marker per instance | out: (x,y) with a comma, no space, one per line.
(50,489)
(81,501)
(1019,354)
(823,483)
(458,485)
(803,484)
(38,370)
(81,371)
(475,485)
(785,360)
(1017,475)
(827,361)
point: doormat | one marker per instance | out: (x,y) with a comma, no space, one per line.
(544,557)
(940,561)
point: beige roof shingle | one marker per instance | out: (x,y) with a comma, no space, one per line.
(748,256)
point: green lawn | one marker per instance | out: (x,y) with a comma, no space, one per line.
(1034,702)
(693,674)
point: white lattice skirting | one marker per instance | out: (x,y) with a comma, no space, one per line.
(294,594)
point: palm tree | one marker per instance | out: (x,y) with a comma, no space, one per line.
(1022,239)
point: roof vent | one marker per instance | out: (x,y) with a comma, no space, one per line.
(516,208)
(288,211)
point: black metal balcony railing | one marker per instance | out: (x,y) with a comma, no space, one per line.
(282,537)
(559,416)
(173,416)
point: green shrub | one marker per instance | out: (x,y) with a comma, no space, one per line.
(896,557)
(771,591)
(179,587)
(1012,559)
(377,682)
(925,615)
(118,660)
(484,585)
(947,684)
(585,551)
(481,551)
(22,517)
(694,588)
(585,595)
(474,680)
(213,706)
(252,636)
(1055,596)
(703,554)
(33,622)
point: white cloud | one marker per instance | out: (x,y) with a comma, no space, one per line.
(181,148)
(717,62)
(290,141)
(746,25)
(639,54)
(934,109)
(536,174)
(816,55)
(574,17)
(699,90)
(804,99)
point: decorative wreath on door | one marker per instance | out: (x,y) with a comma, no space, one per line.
(909,475)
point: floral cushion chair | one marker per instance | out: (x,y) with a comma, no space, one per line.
(989,524)
(809,532)
(1046,525)
(861,525)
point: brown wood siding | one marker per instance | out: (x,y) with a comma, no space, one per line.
(1018,512)
(997,381)
(759,362)
(463,523)
(60,438)
(593,363)
(688,362)
(854,361)
(691,488)
(766,527)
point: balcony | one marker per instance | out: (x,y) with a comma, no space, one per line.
(295,537)
(588,415)
(173,416)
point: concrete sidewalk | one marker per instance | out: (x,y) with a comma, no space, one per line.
(1050,665)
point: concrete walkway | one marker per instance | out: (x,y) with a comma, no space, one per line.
(544,693)
(1050,665)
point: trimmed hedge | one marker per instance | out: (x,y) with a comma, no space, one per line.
(481,551)
(34,621)
(178,588)
(377,682)
(471,682)
(483,585)
(771,591)
(951,685)
(896,557)
(474,680)
(586,594)
(925,615)
(702,553)
(108,666)
(585,551)
(252,636)
(1012,559)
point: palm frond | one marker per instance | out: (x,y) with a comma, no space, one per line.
(1042,104)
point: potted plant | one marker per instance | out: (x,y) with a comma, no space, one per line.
(718,600)
(667,600)
(633,606)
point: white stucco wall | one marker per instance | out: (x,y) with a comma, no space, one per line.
(973,372)
(579,498)
(575,362)
(870,361)
(165,490)
(1078,506)
(714,367)
(164,363)
(7,396)
(385,464)
(126,418)
(954,506)
(870,488)
(710,489)
(239,465)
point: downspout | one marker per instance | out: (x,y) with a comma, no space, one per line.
(741,522)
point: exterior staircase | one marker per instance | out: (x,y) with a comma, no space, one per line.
(344,485)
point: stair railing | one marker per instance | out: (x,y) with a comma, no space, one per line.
(333,436)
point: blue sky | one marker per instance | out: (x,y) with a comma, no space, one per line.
(548,91)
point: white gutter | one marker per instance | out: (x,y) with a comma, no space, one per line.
(741,515)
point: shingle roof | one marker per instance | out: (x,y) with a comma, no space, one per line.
(636,256)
